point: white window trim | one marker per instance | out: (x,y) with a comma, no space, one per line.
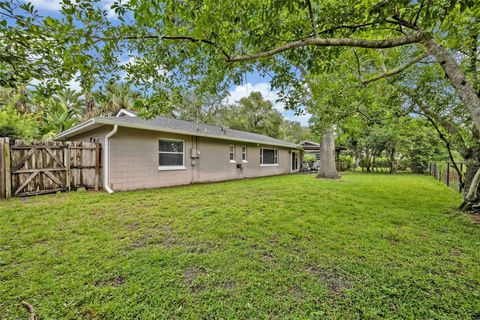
(169,168)
(268,164)
(234,153)
(246,154)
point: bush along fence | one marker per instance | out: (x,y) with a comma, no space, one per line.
(31,168)
(448,174)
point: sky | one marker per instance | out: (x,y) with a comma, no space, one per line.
(252,81)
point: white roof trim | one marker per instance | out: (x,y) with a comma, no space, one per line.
(74,129)
(125,112)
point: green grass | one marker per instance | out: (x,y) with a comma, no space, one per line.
(366,246)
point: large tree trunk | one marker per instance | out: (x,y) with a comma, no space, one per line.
(471,185)
(327,167)
(457,78)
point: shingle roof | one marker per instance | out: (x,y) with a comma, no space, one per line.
(177,126)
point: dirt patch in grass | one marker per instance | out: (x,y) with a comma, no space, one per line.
(111,282)
(332,278)
(476,218)
(133,226)
(190,278)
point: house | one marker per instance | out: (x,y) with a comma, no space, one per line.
(139,153)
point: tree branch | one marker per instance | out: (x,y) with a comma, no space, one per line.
(332,42)
(186,38)
(312,18)
(447,145)
(418,12)
(396,70)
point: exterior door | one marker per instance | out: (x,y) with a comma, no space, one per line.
(295,163)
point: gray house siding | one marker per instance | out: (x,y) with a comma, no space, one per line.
(134,159)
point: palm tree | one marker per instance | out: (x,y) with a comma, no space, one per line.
(57,117)
(116,96)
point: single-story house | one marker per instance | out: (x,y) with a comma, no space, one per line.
(160,152)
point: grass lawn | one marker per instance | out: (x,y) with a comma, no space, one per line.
(366,246)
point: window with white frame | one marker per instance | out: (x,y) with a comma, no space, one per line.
(244,154)
(232,153)
(268,157)
(171,154)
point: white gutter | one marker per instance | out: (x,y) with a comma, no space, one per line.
(106,166)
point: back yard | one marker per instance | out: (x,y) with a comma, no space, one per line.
(365,246)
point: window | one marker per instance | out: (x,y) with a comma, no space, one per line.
(171,154)
(232,153)
(244,154)
(268,157)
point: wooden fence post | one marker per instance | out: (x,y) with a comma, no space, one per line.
(68,169)
(7,164)
(2,168)
(448,174)
(97,165)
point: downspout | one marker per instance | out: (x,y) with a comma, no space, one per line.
(106,166)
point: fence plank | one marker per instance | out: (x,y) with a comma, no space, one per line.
(55,179)
(54,156)
(25,183)
(68,172)
(97,165)
(2,168)
(8,177)
(24,159)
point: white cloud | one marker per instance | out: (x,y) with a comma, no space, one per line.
(107,5)
(72,84)
(56,5)
(264,88)
(49,5)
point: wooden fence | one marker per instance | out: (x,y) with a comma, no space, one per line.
(45,167)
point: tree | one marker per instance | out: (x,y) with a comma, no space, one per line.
(255,114)
(198,48)
(16,125)
(115,97)
(294,131)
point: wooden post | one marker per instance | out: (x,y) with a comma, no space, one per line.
(68,169)
(97,165)
(448,174)
(460,185)
(8,176)
(2,168)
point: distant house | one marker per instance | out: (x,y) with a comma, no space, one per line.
(313,148)
(160,152)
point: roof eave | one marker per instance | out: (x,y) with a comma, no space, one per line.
(83,127)
(155,128)
(74,130)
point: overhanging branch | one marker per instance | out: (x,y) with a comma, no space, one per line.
(332,42)
(396,70)
(184,38)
